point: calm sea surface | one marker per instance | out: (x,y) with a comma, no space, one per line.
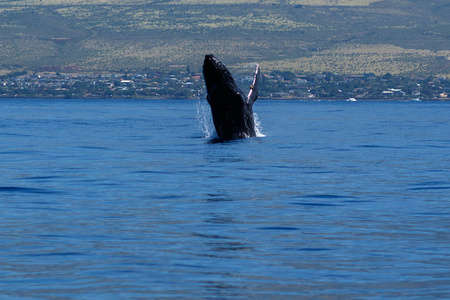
(125,199)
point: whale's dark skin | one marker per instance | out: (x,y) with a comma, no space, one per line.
(232,111)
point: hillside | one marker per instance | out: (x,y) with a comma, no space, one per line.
(306,36)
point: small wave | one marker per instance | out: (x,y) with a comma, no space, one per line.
(314,249)
(278,228)
(325,196)
(55,254)
(430,188)
(314,204)
(430,185)
(16,189)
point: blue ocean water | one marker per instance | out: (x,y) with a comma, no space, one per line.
(125,199)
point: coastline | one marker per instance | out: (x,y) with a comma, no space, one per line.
(184,85)
(259,99)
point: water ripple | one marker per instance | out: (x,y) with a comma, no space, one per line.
(314,204)
(25,190)
(122,198)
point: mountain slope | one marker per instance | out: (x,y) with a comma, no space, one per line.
(351,36)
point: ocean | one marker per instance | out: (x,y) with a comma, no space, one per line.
(134,199)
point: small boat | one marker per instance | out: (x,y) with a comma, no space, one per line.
(351,99)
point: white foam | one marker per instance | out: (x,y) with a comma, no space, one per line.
(258,126)
(204,117)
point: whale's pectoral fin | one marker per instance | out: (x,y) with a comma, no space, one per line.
(254,88)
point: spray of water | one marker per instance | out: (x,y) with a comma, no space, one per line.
(206,125)
(258,126)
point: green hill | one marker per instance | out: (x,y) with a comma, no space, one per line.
(309,36)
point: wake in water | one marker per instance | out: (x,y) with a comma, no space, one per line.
(206,125)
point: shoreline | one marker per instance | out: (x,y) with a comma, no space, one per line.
(259,99)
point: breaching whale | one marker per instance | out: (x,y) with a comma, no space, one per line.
(231,110)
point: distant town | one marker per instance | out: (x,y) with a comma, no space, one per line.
(182,84)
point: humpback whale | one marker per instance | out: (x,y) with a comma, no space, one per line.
(232,111)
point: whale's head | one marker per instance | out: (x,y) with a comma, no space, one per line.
(218,79)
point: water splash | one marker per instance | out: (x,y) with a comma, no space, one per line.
(205,119)
(258,126)
(206,125)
